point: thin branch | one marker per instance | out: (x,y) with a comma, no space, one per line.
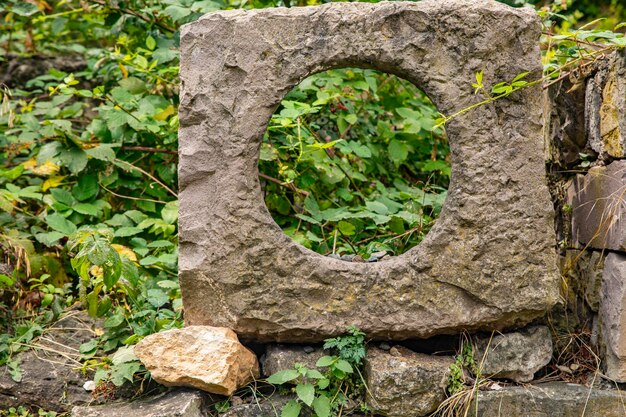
(149,149)
(136,14)
(283,184)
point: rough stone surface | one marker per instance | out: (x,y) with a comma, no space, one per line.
(265,407)
(564,130)
(282,357)
(550,400)
(604,107)
(203,357)
(515,356)
(613,316)
(599,207)
(583,271)
(402,383)
(171,404)
(50,379)
(488,262)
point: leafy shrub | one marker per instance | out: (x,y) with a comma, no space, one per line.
(352,163)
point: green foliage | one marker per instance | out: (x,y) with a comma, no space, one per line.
(350,347)
(462,362)
(355,163)
(22,411)
(326,390)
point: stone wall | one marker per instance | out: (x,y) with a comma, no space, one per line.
(488,269)
(585,134)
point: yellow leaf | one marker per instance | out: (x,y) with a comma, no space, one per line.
(30,164)
(47,168)
(167,112)
(125,252)
(123,69)
(96,271)
(52,182)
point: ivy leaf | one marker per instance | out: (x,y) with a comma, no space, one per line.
(306,393)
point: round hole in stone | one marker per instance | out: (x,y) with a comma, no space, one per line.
(354,166)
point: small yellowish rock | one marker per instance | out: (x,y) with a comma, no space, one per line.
(208,358)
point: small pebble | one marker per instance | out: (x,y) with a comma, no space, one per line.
(309,349)
(89,386)
(384,346)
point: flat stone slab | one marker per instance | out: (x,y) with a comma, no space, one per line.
(551,400)
(599,207)
(613,316)
(178,403)
(489,261)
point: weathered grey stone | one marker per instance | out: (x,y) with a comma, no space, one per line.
(564,117)
(203,357)
(178,403)
(550,400)
(599,207)
(488,262)
(583,271)
(51,379)
(613,316)
(517,355)
(402,383)
(265,407)
(604,107)
(282,357)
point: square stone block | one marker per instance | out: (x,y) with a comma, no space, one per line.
(599,207)
(488,262)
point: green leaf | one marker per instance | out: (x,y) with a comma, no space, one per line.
(60,224)
(344,366)
(133,84)
(291,409)
(306,393)
(157,297)
(321,406)
(398,151)
(89,347)
(86,188)
(75,159)
(150,42)
(50,238)
(325,361)
(102,152)
(124,372)
(123,355)
(346,228)
(86,208)
(127,231)
(6,280)
(282,377)
(314,374)
(23,8)
(170,212)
